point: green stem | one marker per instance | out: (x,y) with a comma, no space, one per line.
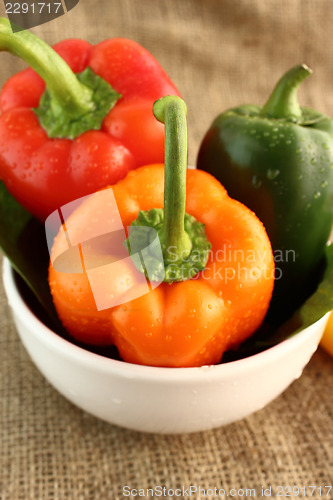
(182,239)
(74,97)
(171,110)
(283,101)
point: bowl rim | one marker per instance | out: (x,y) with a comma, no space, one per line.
(161,374)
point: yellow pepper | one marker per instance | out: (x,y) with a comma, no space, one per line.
(327,340)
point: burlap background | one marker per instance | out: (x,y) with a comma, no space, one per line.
(220,53)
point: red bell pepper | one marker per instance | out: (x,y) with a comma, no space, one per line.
(87,130)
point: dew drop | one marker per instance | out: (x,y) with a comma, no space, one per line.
(317,195)
(313,161)
(256,181)
(324,184)
(272,173)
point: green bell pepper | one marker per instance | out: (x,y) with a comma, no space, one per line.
(278,160)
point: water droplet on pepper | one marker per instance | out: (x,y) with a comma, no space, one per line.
(256,181)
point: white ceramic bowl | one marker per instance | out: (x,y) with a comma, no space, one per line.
(164,400)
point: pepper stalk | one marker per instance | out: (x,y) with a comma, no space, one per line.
(71,104)
(283,102)
(183,239)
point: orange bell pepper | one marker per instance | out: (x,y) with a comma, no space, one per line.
(182,322)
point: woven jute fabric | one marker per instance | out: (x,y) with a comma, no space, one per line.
(220,53)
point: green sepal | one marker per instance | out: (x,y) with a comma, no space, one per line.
(170,270)
(58,123)
(144,246)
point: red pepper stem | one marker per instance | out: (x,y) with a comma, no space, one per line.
(74,97)
(283,101)
(171,110)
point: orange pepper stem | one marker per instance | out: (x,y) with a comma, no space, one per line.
(171,110)
(183,240)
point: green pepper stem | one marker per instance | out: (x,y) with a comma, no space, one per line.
(74,97)
(283,101)
(171,110)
